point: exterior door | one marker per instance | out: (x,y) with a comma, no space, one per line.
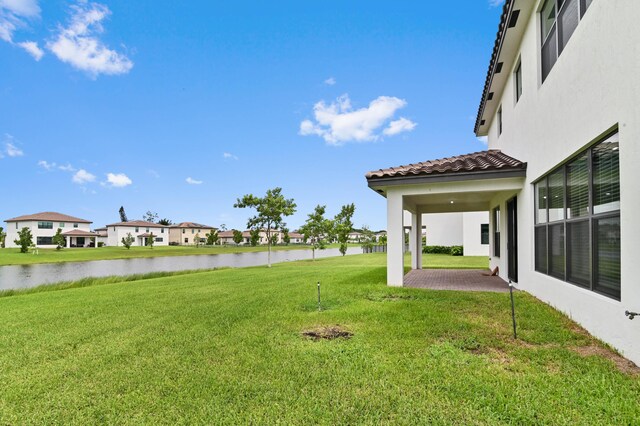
(512,239)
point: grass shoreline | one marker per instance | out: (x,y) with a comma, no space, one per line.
(13,257)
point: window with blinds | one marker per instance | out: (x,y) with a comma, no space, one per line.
(496,232)
(577,211)
(558,19)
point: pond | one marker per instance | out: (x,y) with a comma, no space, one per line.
(26,276)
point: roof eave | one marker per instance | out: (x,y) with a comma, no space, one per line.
(377,184)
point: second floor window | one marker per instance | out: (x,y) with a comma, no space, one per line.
(517,77)
(499,121)
(558,19)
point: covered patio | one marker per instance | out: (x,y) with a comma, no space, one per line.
(465,183)
(80,238)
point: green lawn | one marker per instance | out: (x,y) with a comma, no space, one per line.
(225,347)
(14,257)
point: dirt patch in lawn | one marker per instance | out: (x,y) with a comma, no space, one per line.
(624,365)
(327,333)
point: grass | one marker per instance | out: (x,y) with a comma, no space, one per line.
(226,347)
(14,257)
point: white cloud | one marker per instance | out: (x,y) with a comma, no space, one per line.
(496,3)
(33,49)
(78,44)
(13,151)
(339,123)
(399,126)
(330,81)
(229,156)
(483,139)
(46,165)
(67,168)
(192,181)
(82,176)
(118,180)
(14,15)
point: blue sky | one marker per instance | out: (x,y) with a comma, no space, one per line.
(180,108)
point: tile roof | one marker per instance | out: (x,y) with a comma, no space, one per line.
(502,27)
(49,217)
(140,223)
(191,225)
(79,233)
(491,160)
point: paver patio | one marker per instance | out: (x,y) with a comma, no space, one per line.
(455,279)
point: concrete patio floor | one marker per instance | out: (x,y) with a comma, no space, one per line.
(455,279)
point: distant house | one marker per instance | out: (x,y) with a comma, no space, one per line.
(44,226)
(102,235)
(184,233)
(226,237)
(355,237)
(140,230)
(296,238)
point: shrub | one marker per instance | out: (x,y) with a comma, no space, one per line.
(457,251)
(436,249)
(100,244)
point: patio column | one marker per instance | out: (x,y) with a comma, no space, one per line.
(416,241)
(68,239)
(395,239)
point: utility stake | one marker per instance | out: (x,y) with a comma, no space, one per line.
(319,306)
(513,310)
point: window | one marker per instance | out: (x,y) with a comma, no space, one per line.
(186,241)
(579,240)
(558,20)
(61,225)
(159,239)
(500,121)
(45,225)
(184,230)
(75,225)
(17,225)
(496,232)
(146,230)
(193,231)
(44,241)
(517,78)
(137,229)
(484,233)
(162,230)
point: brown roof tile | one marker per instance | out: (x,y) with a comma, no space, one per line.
(191,225)
(140,223)
(79,233)
(491,160)
(49,217)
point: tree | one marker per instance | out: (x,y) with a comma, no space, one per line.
(382,239)
(223,227)
(237,236)
(317,228)
(254,237)
(343,226)
(128,240)
(150,240)
(368,238)
(25,240)
(271,210)
(196,240)
(212,238)
(165,222)
(59,239)
(286,239)
(3,237)
(274,239)
(123,215)
(150,216)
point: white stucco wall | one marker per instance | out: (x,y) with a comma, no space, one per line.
(592,88)
(12,229)
(454,229)
(115,234)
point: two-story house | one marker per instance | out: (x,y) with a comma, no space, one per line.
(140,230)
(43,226)
(185,233)
(559,179)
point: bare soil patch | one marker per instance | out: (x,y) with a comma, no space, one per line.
(624,365)
(327,333)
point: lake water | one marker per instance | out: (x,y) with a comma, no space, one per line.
(26,276)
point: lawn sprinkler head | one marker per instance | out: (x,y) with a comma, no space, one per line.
(631,315)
